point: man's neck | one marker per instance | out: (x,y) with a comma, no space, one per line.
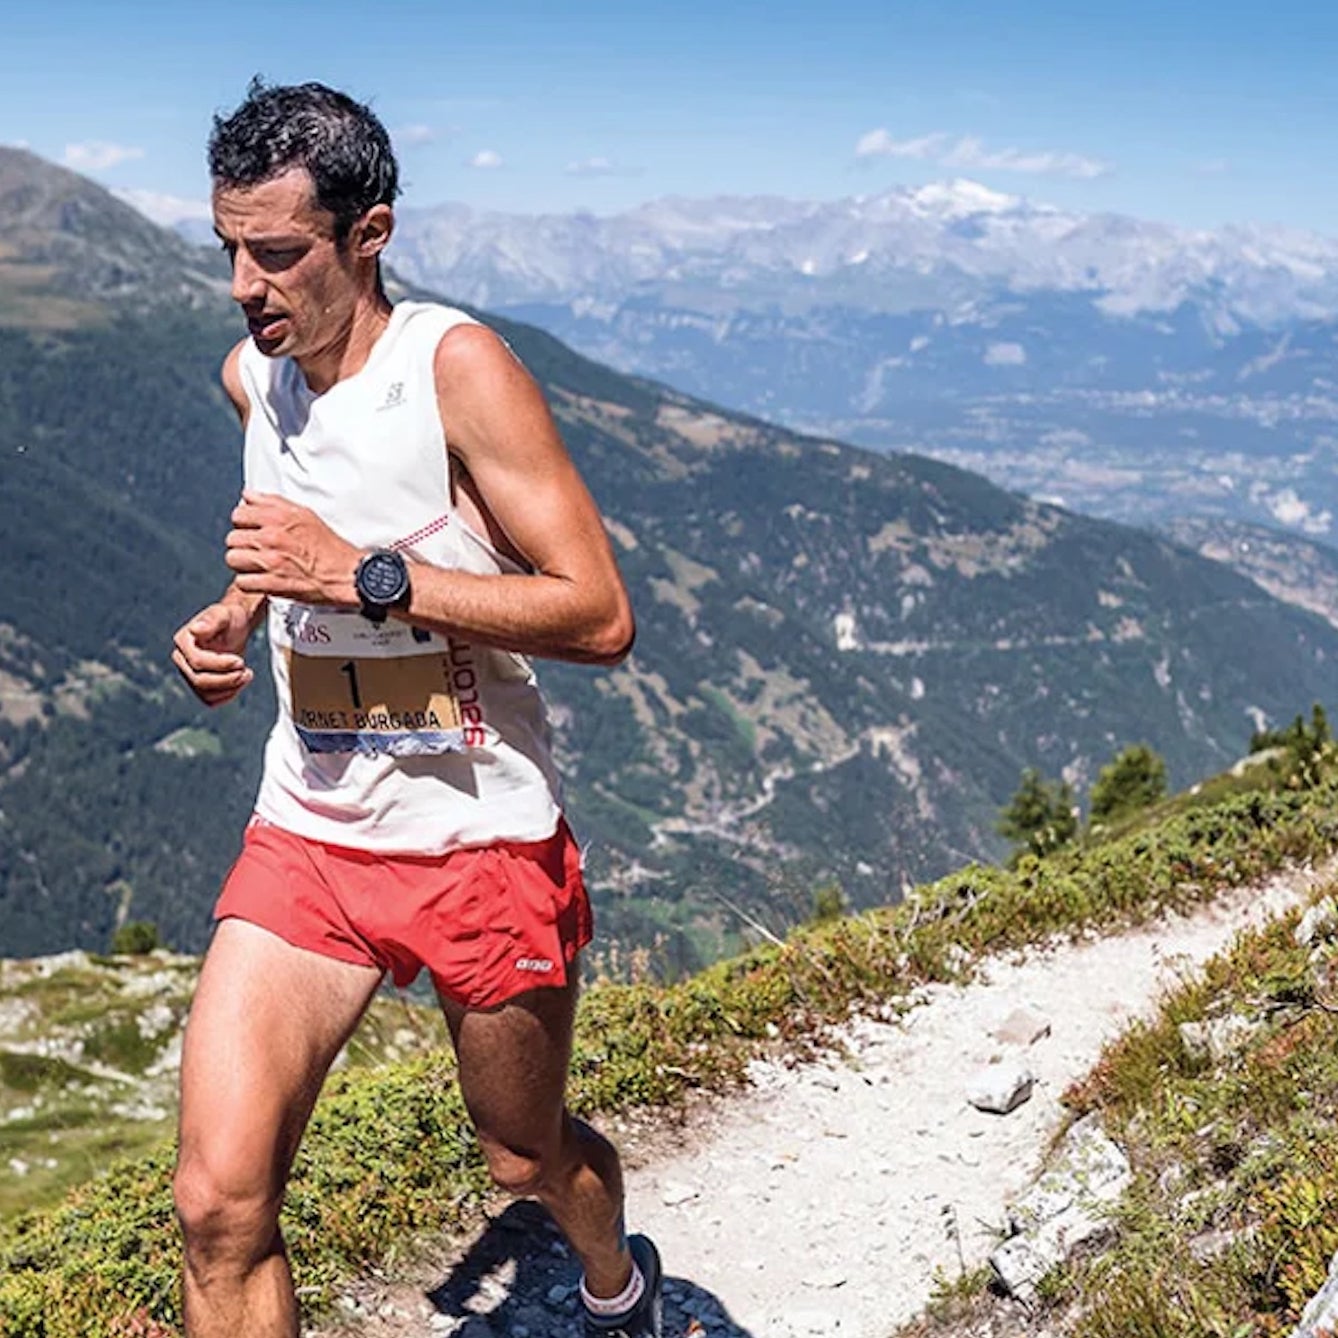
(347,354)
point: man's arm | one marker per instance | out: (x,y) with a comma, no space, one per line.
(572,605)
(208,650)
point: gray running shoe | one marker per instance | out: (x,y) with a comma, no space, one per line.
(644,1319)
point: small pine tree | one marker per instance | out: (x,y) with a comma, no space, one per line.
(1040,817)
(135,938)
(1136,779)
(1307,745)
(829,903)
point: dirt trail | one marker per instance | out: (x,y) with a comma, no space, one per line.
(826,1198)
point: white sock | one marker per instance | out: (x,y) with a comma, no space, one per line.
(603,1306)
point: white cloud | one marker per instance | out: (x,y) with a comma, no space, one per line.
(166,210)
(1288,508)
(598,167)
(486,159)
(880,144)
(1005,355)
(97,155)
(411,136)
(969,151)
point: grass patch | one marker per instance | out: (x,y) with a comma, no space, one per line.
(389,1157)
(1232,1221)
(31,1073)
(119,1044)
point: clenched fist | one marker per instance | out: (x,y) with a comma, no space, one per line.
(208,652)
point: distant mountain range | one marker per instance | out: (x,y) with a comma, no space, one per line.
(1127,368)
(845,657)
(943,246)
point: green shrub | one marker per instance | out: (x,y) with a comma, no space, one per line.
(135,938)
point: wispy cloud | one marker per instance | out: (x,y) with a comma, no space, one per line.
(1214,167)
(970,152)
(486,159)
(412,136)
(97,155)
(599,167)
(881,144)
(166,210)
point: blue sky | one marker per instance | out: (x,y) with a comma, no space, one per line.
(1195,113)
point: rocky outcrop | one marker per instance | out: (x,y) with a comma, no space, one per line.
(1067,1207)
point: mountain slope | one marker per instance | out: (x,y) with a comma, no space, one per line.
(1296,570)
(844,658)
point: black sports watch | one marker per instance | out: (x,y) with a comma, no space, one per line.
(382,582)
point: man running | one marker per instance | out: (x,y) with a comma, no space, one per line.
(411,529)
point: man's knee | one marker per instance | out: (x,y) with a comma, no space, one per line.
(227,1221)
(523,1172)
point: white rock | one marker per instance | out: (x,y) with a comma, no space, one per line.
(1320,1317)
(1218,1039)
(1067,1206)
(1088,1165)
(153,1021)
(1022,1027)
(1319,922)
(1000,1088)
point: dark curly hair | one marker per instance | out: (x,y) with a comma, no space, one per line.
(340,142)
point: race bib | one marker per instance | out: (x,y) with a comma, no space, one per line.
(359,686)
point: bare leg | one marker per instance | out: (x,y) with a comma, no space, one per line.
(266,1023)
(513,1069)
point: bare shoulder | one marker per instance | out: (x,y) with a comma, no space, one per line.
(484,393)
(232,380)
(468,353)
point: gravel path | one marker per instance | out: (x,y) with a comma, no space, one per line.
(826,1199)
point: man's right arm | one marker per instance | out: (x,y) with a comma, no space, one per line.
(209,650)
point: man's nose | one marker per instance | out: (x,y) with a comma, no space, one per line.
(248,282)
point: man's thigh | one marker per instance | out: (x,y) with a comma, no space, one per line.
(513,1064)
(267,1021)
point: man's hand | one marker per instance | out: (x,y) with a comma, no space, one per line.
(279,548)
(208,652)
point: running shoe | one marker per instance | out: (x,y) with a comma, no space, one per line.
(644,1319)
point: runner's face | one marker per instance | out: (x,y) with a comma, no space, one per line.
(295,286)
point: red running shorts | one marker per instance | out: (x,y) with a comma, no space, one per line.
(488,922)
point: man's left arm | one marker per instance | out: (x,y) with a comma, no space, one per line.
(571,605)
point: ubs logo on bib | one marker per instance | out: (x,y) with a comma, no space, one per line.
(303,632)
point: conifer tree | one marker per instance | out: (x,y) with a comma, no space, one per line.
(1040,817)
(1135,779)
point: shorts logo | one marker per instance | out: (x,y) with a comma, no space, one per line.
(534,964)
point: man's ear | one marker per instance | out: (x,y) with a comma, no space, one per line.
(371,233)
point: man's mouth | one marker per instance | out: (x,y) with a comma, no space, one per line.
(265,325)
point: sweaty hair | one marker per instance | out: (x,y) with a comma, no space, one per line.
(340,142)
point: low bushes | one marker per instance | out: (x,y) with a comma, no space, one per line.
(389,1158)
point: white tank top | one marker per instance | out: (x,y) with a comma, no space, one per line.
(388,737)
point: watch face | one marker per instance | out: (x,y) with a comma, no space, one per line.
(382,578)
